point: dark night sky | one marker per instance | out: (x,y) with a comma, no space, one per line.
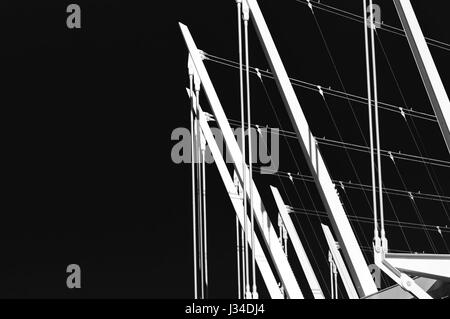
(88,115)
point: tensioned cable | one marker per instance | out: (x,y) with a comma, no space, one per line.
(392,191)
(309,178)
(279,123)
(328,91)
(383,26)
(431,171)
(414,205)
(390,154)
(291,135)
(352,166)
(438,185)
(406,240)
(334,122)
(352,146)
(357,121)
(369,220)
(409,128)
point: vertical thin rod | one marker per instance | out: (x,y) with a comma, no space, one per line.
(377,126)
(241,88)
(285,242)
(199,200)
(244,270)
(194,221)
(331,280)
(335,282)
(238,256)
(250,160)
(369,103)
(205,241)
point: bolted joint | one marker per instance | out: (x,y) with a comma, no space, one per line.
(330,257)
(202,54)
(377,244)
(280,221)
(406,282)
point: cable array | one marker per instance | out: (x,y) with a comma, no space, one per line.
(360,19)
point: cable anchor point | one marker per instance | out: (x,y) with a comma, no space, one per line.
(310,6)
(258,73)
(320,91)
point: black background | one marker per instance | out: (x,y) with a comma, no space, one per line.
(87,122)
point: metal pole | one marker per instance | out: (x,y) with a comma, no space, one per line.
(377,128)
(238,239)
(369,103)
(244,270)
(246,17)
(335,281)
(241,94)
(285,237)
(199,201)
(194,220)
(205,240)
(330,261)
(238,257)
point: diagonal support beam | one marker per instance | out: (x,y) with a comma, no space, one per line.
(428,71)
(298,247)
(424,265)
(236,200)
(349,245)
(268,232)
